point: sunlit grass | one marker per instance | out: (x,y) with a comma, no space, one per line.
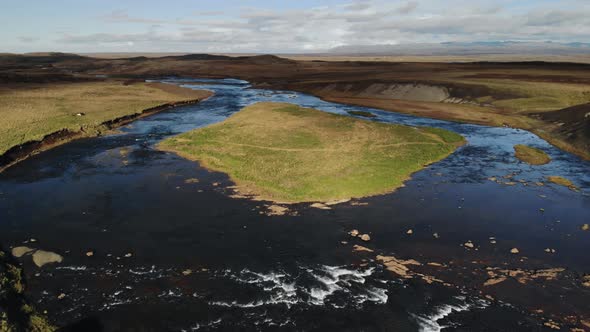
(286,153)
(30,112)
(531,155)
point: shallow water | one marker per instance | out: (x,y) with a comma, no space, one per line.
(115,195)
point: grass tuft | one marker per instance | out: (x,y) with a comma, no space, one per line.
(562,182)
(531,155)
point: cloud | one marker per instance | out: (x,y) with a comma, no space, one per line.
(28,39)
(121,16)
(408,7)
(361,22)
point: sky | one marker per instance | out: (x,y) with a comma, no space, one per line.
(280,26)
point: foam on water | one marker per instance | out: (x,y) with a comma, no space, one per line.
(335,286)
(430,322)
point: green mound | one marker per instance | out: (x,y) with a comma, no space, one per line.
(285,153)
(531,155)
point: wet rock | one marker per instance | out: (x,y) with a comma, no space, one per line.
(514,251)
(42,257)
(397,266)
(338,202)
(61,296)
(127,255)
(358,248)
(552,325)
(21,251)
(359,203)
(354,232)
(549,250)
(89,253)
(191,181)
(586,281)
(494,281)
(344,242)
(430,279)
(585,227)
(187,272)
(365,237)
(435,264)
(410,232)
(497,275)
(469,245)
(276,210)
(320,206)
(435,235)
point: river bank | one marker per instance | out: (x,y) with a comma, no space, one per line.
(81,121)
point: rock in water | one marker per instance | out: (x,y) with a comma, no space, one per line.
(42,257)
(354,232)
(365,237)
(21,251)
(361,248)
(514,251)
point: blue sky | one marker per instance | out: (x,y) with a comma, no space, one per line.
(280,26)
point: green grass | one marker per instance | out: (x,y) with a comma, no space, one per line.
(30,112)
(285,153)
(531,155)
(529,96)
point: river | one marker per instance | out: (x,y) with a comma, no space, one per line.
(171,254)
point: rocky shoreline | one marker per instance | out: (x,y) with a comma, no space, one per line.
(16,311)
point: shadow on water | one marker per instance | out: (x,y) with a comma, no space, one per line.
(183,255)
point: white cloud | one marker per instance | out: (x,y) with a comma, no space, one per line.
(357,22)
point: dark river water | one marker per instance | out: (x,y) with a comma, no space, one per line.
(129,204)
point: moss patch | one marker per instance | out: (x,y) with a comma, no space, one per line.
(562,182)
(285,153)
(531,155)
(16,313)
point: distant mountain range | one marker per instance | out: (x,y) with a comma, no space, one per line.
(468,48)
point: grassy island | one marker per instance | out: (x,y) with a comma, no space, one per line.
(531,155)
(286,153)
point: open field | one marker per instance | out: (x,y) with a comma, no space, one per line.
(31,111)
(371,58)
(285,153)
(516,94)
